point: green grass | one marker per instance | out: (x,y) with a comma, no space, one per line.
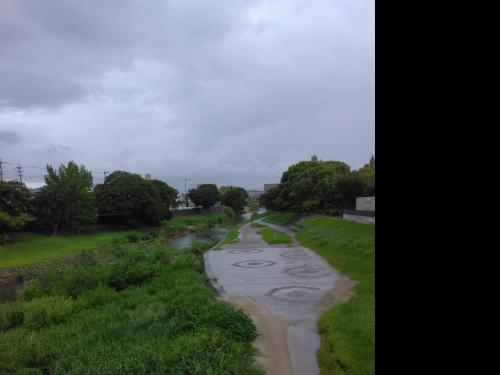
(280,218)
(125,309)
(29,248)
(258,225)
(232,234)
(272,236)
(253,204)
(348,330)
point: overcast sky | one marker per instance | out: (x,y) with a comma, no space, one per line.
(229,92)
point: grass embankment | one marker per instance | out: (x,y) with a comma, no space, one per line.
(258,225)
(348,330)
(280,218)
(125,309)
(29,248)
(232,233)
(272,236)
(32,248)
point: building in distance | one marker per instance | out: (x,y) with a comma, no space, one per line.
(254,194)
(269,186)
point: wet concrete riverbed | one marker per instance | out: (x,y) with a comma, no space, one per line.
(289,280)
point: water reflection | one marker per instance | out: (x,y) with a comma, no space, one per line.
(209,236)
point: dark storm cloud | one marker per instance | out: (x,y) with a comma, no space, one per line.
(229,92)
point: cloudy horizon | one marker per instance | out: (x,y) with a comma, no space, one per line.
(230,93)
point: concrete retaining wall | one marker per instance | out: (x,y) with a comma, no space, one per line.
(365,217)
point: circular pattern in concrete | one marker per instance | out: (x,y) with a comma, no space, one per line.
(295,293)
(245,251)
(254,263)
(294,255)
(307,270)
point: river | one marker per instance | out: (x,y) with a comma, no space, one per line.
(8,292)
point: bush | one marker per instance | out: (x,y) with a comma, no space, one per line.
(11,315)
(125,273)
(98,296)
(44,311)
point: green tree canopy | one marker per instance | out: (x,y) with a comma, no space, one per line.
(126,197)
(66,202)
(236,198)
(205,195)
(225,189)
(307,185)
(15,198)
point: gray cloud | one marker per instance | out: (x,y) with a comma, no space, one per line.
(9,137)
(229,92)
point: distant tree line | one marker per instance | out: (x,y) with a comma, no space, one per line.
(320,185)
(69,203)
(207,195)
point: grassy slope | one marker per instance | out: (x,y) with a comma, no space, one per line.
(232,234)
(348,330)
(280,218)
(272,236)
(32,248)
(141,310)
(258,225)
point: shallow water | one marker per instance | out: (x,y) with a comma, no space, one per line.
(8,292)
(212,235)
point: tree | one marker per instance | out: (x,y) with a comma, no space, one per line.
(306,185)
(224,189)
(367,173)
(270,199)
(15,208)
(125,197)
(15,198)
(348,188)
(205,195)
(66,202)
(236,198)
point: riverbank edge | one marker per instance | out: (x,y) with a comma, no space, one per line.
(15,274)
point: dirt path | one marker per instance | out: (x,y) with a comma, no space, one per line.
(284,288)
(272,337)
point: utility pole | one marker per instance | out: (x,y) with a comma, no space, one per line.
(20,172)
(105,173)
(1,170)
(185,191)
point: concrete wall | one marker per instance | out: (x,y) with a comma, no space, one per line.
(359,218)
(365,204)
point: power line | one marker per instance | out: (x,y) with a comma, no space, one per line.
(17,171)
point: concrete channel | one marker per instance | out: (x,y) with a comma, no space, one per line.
(289,280)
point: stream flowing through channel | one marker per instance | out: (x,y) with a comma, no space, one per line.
(8,291)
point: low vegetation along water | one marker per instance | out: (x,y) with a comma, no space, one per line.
(29,252)
(138,308)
